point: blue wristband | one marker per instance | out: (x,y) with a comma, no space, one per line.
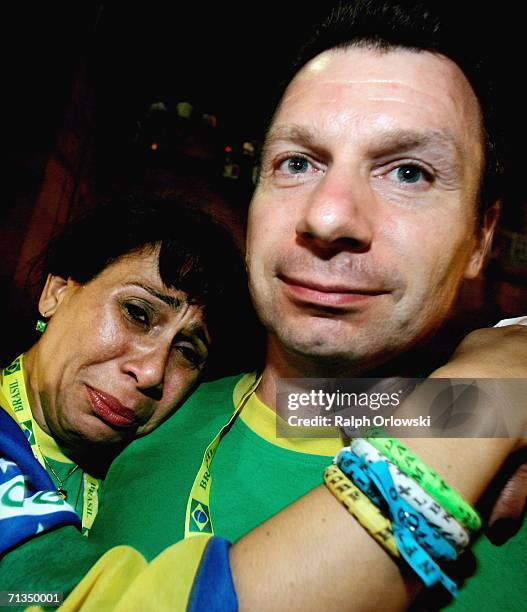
(418,559)
(360,472)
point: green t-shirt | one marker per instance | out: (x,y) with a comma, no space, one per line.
(147,487)
(144,504)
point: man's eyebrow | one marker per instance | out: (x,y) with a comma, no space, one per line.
(296,133)
(404,140)
(172,301)
(390,141)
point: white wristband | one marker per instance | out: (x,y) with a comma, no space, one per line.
(434,514)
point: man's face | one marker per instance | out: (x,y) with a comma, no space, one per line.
(363,224)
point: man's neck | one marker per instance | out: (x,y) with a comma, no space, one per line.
(281,363)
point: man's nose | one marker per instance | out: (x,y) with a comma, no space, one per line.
(147,366)
(339,214)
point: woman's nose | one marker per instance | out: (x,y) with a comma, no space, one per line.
(148,366)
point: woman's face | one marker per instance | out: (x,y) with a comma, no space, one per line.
(119,353)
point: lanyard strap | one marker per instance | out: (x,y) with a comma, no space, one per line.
(198,516)
(90,502)
(14,387)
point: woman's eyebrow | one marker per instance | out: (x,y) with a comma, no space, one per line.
(198,331)
(172,301)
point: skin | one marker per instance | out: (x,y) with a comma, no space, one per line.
(322,559)
(123,333)
(313,555)
(363,224)
(347,219)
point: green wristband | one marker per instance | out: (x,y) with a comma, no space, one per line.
(445,495)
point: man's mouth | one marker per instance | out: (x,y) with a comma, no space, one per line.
(110,410)
(329,294)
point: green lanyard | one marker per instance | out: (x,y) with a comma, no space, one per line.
(14,387)
(198,516)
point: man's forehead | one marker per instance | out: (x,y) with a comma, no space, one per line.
(422,91)
(362,61)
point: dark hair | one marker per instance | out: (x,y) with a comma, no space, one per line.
(196,256)
(420,26)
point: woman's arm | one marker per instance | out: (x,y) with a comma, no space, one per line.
(313,555)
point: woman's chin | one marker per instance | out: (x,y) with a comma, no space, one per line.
(89,429)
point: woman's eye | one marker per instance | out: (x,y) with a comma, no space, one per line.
(137,313)
(295,165)
(409,174)
(189,354)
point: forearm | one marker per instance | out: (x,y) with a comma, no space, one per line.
(315,556)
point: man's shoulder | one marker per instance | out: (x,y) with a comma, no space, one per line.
(206,408)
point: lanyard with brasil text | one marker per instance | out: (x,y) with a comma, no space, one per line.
(198,517)
(14,388)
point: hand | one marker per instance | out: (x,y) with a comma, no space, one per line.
(506,516)
(497,353)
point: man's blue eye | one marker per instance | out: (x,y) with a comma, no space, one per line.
(409,174)
(297,165)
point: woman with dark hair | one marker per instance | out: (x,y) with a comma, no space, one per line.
(137,298)
(135,303)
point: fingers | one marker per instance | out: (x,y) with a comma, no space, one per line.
(508,512)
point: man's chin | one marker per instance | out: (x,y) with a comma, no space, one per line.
(324,352)
(346,353)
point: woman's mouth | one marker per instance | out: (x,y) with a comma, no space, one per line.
(110,410)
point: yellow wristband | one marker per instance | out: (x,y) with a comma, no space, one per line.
(360,506)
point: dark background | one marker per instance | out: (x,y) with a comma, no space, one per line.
(227,58)
(80,78)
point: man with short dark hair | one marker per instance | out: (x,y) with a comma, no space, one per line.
(373,202)
(363,225)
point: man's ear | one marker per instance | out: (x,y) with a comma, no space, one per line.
(483,243)
(53,294)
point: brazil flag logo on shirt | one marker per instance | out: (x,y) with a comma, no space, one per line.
(199,517)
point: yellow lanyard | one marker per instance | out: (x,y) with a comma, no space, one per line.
(14,387)
(198,517)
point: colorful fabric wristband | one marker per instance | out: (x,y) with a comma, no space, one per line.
(359,506)
(397,539)
(417,497)
(403,529)
(431,482)
(358,470)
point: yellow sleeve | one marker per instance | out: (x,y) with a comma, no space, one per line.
(122,581)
